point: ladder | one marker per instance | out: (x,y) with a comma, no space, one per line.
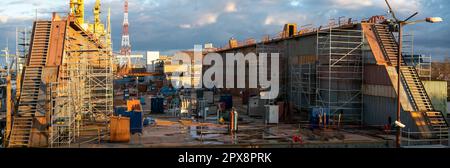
(28,102)
(414,85)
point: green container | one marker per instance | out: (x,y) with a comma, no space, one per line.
(437,91)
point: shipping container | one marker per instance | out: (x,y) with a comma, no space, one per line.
(437,91)
(157,105)
(136,122)
(120,129)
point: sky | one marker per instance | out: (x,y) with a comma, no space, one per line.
(171,25)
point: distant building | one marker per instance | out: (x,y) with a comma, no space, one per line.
(152,57)
(136,60)
(180,75)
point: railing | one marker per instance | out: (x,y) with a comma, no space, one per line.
(307,29)
(411,139)
(423,87)
(404,83)
(381,43)
(101,134)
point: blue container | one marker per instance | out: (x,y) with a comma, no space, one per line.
(228,100)
(136,122)
(157,106)
(120,111)
(122,81)
(166,91)
(142,99)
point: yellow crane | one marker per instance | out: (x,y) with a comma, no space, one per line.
(98,28)
(77,9)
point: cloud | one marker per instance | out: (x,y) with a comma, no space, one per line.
(185,26)
(3,19)
(283,18)
(352,4)
(206,19)
(179,24)
(200,21)
(295,3)
(231,7)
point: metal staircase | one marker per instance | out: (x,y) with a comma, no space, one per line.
(411,78)
(28,102)
(388,44)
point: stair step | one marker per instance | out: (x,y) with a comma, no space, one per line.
(440,128)
(23,118)
(20,141)
(30,90)
(21,131)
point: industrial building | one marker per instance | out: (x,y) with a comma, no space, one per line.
(340,85)
(350,70)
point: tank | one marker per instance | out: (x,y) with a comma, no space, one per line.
(157,105)
(136,122)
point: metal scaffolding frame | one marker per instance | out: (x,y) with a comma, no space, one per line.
(23,36)
(100,76)
(83,94)
(284,73)
(68,99)
(340,73)
(408,45)
(303,85)
(420,61)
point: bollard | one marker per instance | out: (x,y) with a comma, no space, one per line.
(233,121)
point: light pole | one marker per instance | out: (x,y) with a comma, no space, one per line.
(400,25)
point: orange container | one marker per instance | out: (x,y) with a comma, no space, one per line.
(120,129)
(134,105)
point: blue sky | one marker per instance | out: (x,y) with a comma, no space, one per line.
(170,25)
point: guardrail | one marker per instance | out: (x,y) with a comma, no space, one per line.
(411,138)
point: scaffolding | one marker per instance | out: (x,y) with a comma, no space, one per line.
(303,83)
(340,73)
(83,95)
(23,36)
(283,71)
(100,76)
(420,61)
(69,99)
(408,46)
